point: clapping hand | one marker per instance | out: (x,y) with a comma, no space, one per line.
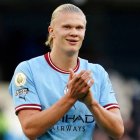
(79,85)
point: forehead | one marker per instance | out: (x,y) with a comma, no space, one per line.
(70,18)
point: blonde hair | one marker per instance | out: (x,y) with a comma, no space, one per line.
(59,9)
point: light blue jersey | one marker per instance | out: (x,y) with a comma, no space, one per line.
(38,84)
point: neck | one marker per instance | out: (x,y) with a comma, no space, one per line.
(64,61)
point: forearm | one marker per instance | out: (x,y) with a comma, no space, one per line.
(39,122)
(109,121)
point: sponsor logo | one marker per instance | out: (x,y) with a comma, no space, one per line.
(75,118)
(69,128)
(21,93)
(74,123)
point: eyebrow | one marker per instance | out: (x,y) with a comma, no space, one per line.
(78,25)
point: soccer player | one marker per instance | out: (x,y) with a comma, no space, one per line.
(59,95)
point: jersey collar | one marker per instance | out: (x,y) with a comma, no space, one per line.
(49,61)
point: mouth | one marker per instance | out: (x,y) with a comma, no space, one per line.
(72,41)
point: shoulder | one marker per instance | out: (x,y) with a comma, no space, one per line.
(24,65)
(92,66)
(25,69)
(97,70)
(97,67)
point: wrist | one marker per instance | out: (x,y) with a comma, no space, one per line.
(94,103)
(70,99)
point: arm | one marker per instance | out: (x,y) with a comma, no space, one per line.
(34,123)
(109,120)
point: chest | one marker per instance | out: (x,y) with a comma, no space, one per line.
(51,85)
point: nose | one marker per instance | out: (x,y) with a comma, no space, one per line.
(73,32)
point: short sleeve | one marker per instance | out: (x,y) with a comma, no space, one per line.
(22,89)
(107,95)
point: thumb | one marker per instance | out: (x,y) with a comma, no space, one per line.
(71,73)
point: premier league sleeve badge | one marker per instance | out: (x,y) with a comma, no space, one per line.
(20,79)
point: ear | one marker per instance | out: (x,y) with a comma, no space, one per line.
(50,30)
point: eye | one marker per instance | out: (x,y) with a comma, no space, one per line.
(79,27)
(67,26)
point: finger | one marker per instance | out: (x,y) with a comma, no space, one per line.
(78,76)
(91,82)
(71,73)
(85,89)
(81,73)
(82,82)
(85,77)
(86,74)
(79,80)
(87,83)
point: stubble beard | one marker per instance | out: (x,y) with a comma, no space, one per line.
(72,53)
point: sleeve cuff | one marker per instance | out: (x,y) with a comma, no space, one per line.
(111,106)
(27,106)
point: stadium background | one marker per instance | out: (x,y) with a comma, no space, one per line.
(112,39)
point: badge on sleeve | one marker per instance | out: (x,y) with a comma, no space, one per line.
(20,79)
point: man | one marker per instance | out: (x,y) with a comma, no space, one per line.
(60,96)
